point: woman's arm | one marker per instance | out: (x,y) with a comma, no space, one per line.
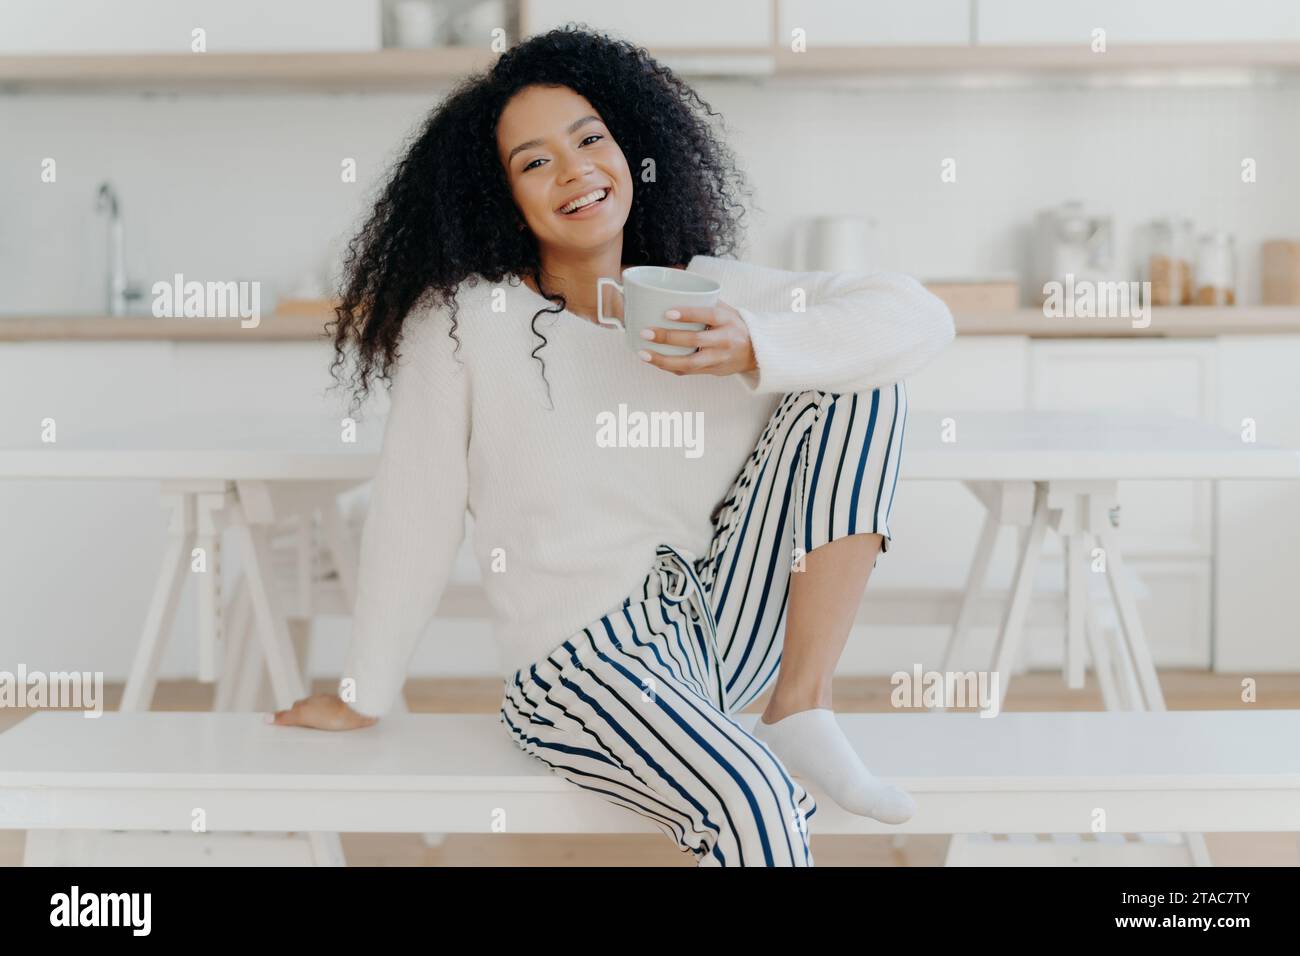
(416,520)
(857,331)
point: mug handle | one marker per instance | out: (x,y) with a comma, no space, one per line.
(601,317)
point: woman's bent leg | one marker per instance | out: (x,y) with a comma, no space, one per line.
(825,467)
(621,711)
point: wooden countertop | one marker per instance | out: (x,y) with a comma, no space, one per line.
(1178,321)
(1187,321)
(277,328)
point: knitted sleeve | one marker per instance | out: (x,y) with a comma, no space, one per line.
(837,331)
(416,519)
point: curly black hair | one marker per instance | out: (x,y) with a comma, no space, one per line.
(447,214)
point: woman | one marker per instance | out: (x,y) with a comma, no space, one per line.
(642,595)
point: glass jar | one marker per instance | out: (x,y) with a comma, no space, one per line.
(1170,250)
(1216,269)
(1162,269)
(1185,251)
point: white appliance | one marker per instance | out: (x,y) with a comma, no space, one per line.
(837,244)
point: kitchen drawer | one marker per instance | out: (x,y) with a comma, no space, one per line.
(878,22)
(1165,518)
(975,373)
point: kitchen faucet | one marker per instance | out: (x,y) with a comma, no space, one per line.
(120,292)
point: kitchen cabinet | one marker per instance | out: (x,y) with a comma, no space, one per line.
(1257,601)
(1129,22)
(165,26)
(670,24)
(877,22)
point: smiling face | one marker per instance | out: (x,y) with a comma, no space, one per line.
(568,177)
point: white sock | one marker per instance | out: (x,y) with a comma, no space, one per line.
(811,744)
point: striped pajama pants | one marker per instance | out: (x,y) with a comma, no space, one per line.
(638,705)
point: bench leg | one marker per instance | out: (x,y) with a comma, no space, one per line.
(965,849)
(41,847)
(326,849)
(1200,853)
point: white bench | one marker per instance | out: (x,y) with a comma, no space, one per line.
(1048,773)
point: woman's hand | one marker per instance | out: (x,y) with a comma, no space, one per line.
(724,347)
(322,712)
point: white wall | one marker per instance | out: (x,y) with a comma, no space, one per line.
(249,187)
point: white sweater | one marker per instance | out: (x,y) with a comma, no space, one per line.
(566,521)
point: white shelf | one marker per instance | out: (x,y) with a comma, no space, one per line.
(399,70)
(244,72)
(1035,59)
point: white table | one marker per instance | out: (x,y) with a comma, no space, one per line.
(219,470)
(1035,469)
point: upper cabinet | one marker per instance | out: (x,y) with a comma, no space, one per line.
(670,24)
(839,23)
(339,45)
(1134,22)
(168,26)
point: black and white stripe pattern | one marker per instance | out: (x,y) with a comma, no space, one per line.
(636,706)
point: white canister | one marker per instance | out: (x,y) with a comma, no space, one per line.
(836,244)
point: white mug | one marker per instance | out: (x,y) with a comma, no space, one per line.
(650,291)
